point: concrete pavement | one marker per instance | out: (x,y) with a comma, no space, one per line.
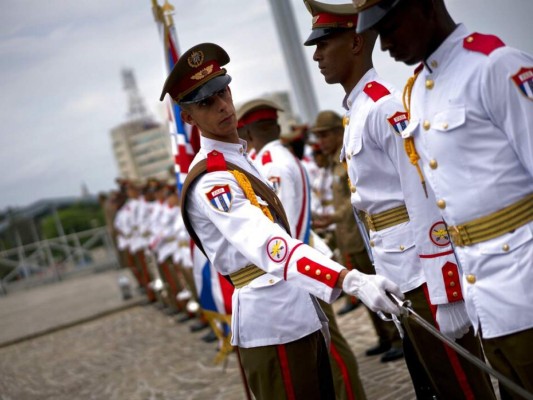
(79,340)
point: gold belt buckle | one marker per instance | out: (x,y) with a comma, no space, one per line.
(455,235)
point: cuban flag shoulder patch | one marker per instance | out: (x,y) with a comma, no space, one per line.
(524,80)
(398,121)
(220,197)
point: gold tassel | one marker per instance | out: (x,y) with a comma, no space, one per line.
(409,143)
(246,186)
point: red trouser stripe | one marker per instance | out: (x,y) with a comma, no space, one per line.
(285,372)
(452,355)
(344,371)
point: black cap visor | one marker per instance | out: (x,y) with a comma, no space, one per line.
(319,33)
(208,89)
(371,16)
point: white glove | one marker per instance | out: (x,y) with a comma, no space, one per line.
(372,290)
(453,320)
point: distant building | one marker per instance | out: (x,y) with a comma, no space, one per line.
(142,149)
(141,146)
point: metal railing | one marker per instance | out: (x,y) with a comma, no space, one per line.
(56,259)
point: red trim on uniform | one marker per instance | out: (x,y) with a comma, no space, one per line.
(452,284)
(452,355)
(436,255)
(266,158)
(375,90)
(419,68)
(481,43)
(317,271)
(260,114)
(344,371)
(285,372)
(288,259)
(216,161)
(348,262)
(340,21)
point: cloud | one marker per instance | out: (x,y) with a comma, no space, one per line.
(62,93)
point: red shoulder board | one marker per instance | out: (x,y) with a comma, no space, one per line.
(419,68)
(216,162)
(375,90)
(481,43)
(267,158)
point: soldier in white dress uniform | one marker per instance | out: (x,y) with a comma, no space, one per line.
(276,322)
(407,233)
(471,124)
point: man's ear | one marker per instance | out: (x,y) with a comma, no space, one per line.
(358,43)
(186,117)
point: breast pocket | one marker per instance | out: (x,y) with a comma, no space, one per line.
(449,119)
(355,139)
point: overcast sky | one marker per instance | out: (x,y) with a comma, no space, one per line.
(61,89)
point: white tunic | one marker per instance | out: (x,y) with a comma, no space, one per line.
(289,180)
(476,124)
(275,308)
(372,154)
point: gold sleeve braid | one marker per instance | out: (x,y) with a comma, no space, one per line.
(409,143)
(246,186)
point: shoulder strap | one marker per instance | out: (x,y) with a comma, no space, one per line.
(260,188)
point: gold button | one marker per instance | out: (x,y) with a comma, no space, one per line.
(470,39)
(455,294)
(372,244)
(349,157)
(426,125)
(450,273)
(429,84)
(444,125)
(318,272)
(452,284)
(271,281)
(215,153)
(402,247)
(441,204)
(328,277)
(434,64)
(369,85)
(505,247)
(352,189)
(433,164)
(349,24)
(471,279)
(307,267)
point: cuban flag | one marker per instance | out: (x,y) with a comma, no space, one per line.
(214,290)
(399,122)
(184,138)
(524,80)
(220,197)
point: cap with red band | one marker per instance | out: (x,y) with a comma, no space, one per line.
(329,18)
(197,74)
(257,110)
